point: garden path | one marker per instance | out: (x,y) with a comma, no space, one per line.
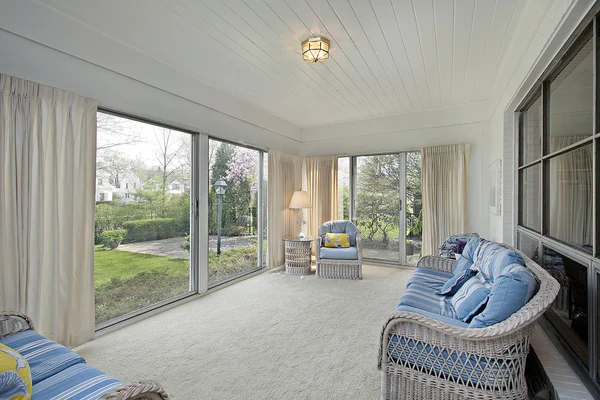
(172,247)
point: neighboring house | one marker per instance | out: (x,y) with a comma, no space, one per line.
(176,187)
(124,190)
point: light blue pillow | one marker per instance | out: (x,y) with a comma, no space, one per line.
(510,291)
(453,284)
(468,254)
(470,299)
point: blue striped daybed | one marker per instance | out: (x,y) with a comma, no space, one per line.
(59,373)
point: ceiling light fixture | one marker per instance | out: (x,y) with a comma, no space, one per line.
(315,49)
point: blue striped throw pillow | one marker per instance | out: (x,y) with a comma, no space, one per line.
(453,284)
(470,299)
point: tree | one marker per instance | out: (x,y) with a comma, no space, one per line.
(167,154)
(377,195)
(115,131)
(115,165)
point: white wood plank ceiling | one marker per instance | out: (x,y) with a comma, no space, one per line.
(387,56)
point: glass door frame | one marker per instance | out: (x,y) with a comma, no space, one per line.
(402,202)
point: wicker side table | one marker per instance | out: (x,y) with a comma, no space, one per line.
(297,255)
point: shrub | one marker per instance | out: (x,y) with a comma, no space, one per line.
(113,238)
(144,230)
(186,245)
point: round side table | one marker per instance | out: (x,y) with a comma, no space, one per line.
(297,255)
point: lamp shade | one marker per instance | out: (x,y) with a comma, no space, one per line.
(300,200)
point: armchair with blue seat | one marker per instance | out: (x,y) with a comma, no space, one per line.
(339,262)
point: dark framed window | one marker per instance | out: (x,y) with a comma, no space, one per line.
(557,223)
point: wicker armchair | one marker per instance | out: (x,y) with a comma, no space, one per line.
(336,268)
(11,323)
(492,359)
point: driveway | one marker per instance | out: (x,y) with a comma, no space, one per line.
(172,247)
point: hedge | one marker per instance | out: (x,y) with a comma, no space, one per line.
(144,230)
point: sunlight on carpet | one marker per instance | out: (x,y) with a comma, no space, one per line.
(272,336)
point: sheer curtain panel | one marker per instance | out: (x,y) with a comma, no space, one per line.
(445,177)
(322,188)
(285,176)
(47,170)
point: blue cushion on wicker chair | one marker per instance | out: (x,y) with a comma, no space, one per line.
(339,253)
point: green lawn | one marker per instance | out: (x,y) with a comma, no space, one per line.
(127,281)
(124,264)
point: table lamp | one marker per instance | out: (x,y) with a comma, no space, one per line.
(299,202)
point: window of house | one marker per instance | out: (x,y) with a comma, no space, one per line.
(557,191)
(100,181)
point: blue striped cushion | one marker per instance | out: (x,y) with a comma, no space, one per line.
(492,260)
(467,256)
(453,365)
(430,278)
(510,291)
(456,282)
(469,299)
(45,357)
(423,298)
(448,320)
(79,381)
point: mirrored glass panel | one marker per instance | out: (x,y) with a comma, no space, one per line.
(531,133)
(529,197)
(527,245)
(572,101)
(569,311)
(570,198)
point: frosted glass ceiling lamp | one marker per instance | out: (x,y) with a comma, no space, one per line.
(300,201)
(315,49)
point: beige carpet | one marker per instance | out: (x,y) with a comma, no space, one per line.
(272,336)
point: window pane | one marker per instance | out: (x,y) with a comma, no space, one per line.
(527,245)
(529,197)
(414,207)
(264,197)
(569,311)
(378,205)
(570,197)
(531,142)
(344,188)
(232,209)
(571,101)
(142,216)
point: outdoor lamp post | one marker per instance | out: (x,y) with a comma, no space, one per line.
(220,188)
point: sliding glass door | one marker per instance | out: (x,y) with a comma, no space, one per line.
(386,205)
(378,206)
(233,211)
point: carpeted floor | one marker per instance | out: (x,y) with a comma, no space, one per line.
(272,336)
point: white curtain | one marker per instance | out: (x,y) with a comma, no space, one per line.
(445,177)
(571,187)
(322,188)
(285,176)
(47,170)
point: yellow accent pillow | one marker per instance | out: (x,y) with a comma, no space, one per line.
(337,240)
(15,375)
